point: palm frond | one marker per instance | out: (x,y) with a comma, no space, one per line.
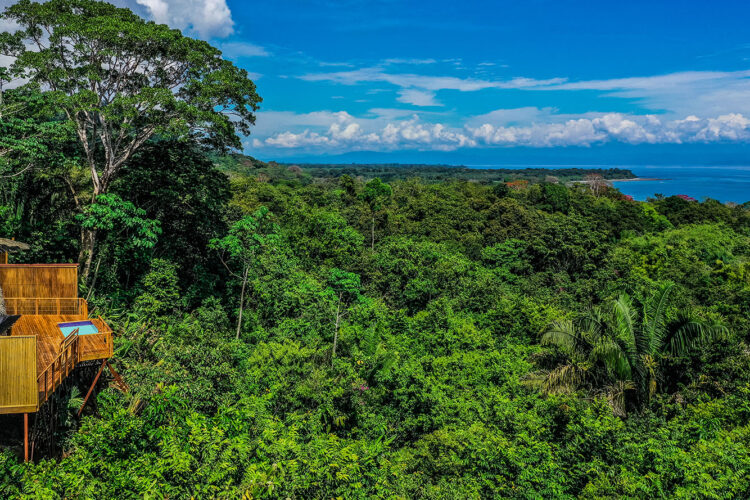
(561,333)
(75,400)
(616,396)
(592,324)
(563,379)
(625,330)
(650,370)
(614,359)
(535,380)
(688,332)
(655,319)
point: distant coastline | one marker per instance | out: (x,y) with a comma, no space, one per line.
(636,179)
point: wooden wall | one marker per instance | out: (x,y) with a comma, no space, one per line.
(18,384)
(39,280)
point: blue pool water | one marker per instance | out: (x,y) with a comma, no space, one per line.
(84,328)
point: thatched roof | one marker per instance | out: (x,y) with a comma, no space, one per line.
(12,246)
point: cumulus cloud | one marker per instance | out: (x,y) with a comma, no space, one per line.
(386,132)
(617,127)
(348,133)
(207,18)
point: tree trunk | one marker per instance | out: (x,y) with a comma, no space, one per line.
(372,234)
(86,255)
(336,330)
(242,303)
(93,280)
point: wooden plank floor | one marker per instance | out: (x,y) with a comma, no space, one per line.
(49,337)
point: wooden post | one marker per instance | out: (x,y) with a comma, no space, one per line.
(6,254)
(123,386)
(91,389)
(25,437)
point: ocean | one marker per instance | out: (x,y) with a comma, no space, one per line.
(726,184)
(720,183)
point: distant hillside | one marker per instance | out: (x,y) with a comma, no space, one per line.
(237,164)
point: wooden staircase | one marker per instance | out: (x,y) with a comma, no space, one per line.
(61,367)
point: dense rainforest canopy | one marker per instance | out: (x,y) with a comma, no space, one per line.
(296,333)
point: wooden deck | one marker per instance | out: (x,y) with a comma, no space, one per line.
(36,358)
(55,358)
(50,338)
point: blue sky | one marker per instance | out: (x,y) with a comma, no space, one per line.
(504,82)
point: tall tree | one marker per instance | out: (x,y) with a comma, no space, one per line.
(120,80)
(247,238)
(597,183)
(344,286)
(375,193)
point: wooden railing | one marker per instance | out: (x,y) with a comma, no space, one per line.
(47,306)
(57,371)
(105,333)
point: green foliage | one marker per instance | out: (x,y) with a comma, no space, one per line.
(343,283)
(272,353)
(442,337)
(620,349)
(248,237)
(87,59)
(160,290)
(110,212)
(440,173)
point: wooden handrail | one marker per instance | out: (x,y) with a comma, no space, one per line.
(107,332)
(63,364)
(47,306)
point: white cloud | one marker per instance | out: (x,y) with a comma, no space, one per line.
(207,18)
(334,64)
(348,133)
(388,130)
(689,92)
(668,81)
(512,116)
(410,61)
(425,82)
(9,25)
(417,97)
(705,93)
(243,49)
(610,127)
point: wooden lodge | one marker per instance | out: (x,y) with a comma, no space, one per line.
(36,353)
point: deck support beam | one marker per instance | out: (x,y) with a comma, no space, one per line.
(91,389)
(25,437)
(123,386)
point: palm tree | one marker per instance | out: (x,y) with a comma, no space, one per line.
(619,349)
